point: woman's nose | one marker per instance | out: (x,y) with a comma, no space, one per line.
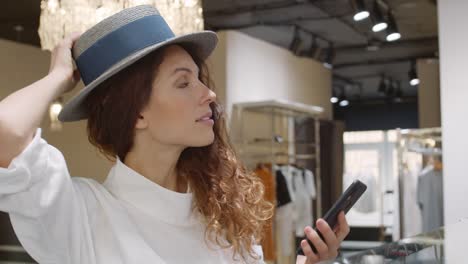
(209,96)
(212,95)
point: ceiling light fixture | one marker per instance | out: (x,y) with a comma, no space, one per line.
(392,29)
(361,12)
(398,93)
(296,42)
(334,99)
(344,102)
(314,48)
(382,85)
(392,86)
(378,19)
(329,56)
(412,75)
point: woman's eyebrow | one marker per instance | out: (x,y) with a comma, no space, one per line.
(184,69)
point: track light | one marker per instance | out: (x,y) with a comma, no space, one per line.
(329,56)
(392,29)
(412,75)
(414,81)
(344,102)
(361,12)
(334,99)
(314,48)
(398,93)
(391,87)
(296,42)
(378,19)
(382,86)
(393,36)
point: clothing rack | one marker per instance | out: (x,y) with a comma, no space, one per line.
(279,109)
(427,142)
(277,144)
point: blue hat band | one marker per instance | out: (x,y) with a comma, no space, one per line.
(121,43)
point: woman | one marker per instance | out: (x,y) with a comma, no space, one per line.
(176,193)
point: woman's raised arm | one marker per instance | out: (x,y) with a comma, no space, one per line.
(22,112)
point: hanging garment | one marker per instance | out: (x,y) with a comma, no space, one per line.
(309,179)
(283,194)
(285,229)
(284,213)
(268,243)
(128,219)
(304,187)
(287,171)
(412,224)
(430,200)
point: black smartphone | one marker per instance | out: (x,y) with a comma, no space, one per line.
(344,203)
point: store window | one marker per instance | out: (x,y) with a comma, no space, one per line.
(371,156)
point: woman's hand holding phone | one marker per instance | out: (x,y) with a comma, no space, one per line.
(323,243)
(327,248)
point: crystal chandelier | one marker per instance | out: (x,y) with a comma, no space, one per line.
(59,18)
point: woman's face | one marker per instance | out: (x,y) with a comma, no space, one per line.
(178,112)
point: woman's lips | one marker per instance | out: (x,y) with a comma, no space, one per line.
(206,120)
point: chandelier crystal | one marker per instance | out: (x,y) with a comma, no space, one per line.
(59,18)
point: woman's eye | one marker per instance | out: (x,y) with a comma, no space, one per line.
(183,85)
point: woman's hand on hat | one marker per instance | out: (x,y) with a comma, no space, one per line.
(62,65)
(327,249)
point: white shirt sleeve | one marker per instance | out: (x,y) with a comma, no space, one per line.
(259,250)
(45,208)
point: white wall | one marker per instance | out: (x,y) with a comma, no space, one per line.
(453,46)
(429,93)
(250,69)
(21,65)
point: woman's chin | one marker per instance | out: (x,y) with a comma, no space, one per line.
(203,142)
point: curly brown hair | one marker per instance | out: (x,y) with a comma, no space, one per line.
(229,197)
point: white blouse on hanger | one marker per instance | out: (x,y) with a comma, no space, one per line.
(128,219)
(304,186)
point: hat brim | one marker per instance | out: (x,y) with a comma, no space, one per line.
(204,43)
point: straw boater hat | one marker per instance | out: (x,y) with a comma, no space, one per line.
(120,40)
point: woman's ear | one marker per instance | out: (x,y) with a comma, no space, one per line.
(141,122)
